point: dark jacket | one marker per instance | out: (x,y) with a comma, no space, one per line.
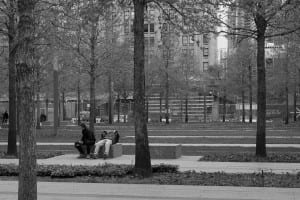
(88,137)
(111,135)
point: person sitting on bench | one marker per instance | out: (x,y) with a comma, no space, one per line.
(86,144)
(108,138)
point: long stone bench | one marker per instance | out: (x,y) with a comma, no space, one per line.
(158,151)
(165,151)
(116,150)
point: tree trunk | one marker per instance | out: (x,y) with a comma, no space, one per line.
(261,88)
(160,107)
(12,129)
(250,94)
(204,111)
(119,106)
(38,104)
(147,109)
(63,106)
(286,121)
(224,106)
(167,94)
(26,83)
(181,108)
(295,104)
(78,102)
(243,99)
(55,96)
(47,106)
(93,43)
(110,100)
(142,153)
(186,108)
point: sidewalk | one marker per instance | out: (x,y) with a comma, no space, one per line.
(93,191)
(185,163)
(184,144)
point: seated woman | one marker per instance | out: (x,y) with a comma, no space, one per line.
(108,138)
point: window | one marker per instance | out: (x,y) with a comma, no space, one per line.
(171,54)
(151,14)
(205,52)
(191,52)
(149,42)
(184,52)
(145,28)
(127,14)
(165,27)
(126,27)
(205,39)
(152,28)
(191,40)
(165,54)
(205,66)
(184,40)
(152,41)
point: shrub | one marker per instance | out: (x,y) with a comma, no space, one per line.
(250,157)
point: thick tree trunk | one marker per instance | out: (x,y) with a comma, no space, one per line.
(261,88)
(142,153)
(250,93)
(26,83)
(12,129)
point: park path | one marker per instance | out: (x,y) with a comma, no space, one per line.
(185,163)
(93,191)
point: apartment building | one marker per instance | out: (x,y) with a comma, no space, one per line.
(162,36)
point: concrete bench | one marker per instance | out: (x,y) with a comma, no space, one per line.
(116,150)
(165,151)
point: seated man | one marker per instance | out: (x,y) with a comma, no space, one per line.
(86,144)
(107,139)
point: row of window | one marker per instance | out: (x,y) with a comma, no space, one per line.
(189,40)
(147,28)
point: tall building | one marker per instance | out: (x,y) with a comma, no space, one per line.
(162,36)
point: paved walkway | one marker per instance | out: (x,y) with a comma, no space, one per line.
(95,191)
(165,144)
(185,163)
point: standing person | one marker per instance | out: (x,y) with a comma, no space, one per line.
(5,117)
(107,139)
(86,144)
